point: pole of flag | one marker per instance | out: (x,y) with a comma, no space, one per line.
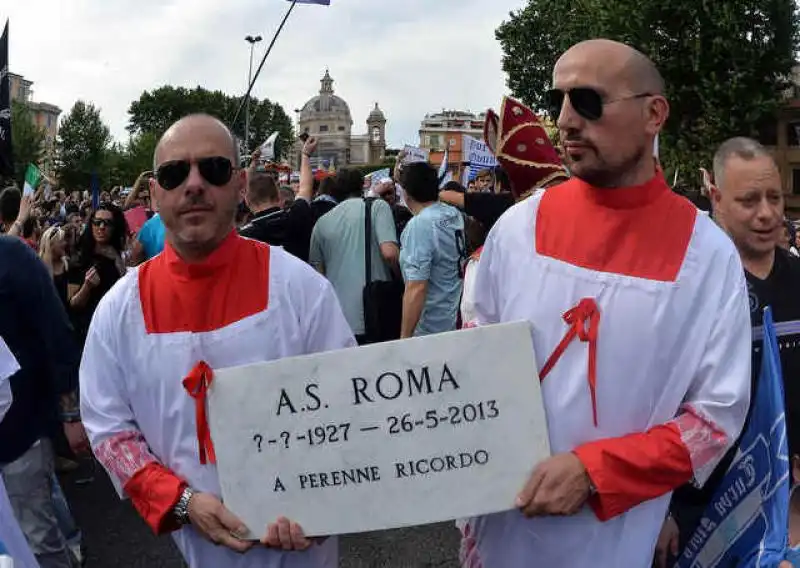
(246,98)
(6,159)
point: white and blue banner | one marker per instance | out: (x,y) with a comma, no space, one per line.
(414,154)
(477,153)
(443,169)
(746,524)
(378,176)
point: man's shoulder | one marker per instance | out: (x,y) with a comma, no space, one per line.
(121,296)
(711,239)
(152,223)
(292,274)
(345,212)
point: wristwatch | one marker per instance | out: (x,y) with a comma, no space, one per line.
(181,510)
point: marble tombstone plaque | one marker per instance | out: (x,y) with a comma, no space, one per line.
(383,436)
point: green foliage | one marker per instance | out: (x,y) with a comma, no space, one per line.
(155,111)
(83,147)
(725,63)
(125,163)
(27,139)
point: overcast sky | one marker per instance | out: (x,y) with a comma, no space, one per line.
(411,56)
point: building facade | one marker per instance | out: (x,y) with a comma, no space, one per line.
(443,131)
(327,117)
(45,116)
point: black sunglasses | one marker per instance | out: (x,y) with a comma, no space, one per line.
(216,170)
(101,223)
(586,101)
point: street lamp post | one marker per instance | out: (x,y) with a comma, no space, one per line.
(252,41)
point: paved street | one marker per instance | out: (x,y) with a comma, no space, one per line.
(116,537)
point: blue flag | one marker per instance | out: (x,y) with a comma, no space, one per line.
(95,191)
(746,524)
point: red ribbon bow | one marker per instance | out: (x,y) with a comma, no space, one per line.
(196,384)
(586,312)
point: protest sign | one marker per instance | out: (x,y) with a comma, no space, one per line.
(414,154)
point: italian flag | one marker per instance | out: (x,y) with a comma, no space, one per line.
(32,179)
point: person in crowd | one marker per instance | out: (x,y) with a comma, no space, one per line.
(36,329)
(432,255)
(788,238)
(748,203)
(139,195)
(287,196)
(611,323)
(149,241)
(32,230)
(98,266)
(165,318)
(14,211)
(387,190)
(72,231)
(52,251)
(484,181)
(338,246)
(325,200)
(273,223)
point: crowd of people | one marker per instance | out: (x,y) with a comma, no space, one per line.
(633,293)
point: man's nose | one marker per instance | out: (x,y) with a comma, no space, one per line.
(194,181)
(766,211)
(568,119)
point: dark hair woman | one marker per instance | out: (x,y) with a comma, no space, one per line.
(99,264)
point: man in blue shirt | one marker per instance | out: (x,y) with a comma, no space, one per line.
(432,256)
(150,240)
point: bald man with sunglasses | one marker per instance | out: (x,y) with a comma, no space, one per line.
(212,299)
(640,320)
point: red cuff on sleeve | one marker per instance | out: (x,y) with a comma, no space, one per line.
(630,470)
(154,491)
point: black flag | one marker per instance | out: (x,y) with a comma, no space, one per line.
(6,159)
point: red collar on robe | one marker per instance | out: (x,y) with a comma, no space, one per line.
(228,286)
(641,231)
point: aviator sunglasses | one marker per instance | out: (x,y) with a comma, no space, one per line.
(216,170)
(586,101)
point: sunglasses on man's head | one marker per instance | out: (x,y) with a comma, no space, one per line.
(216,170)
(586,101)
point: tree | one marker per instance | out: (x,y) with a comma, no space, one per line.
(124,163)
(27,139)
(155,111)
(83,146)
(725,64)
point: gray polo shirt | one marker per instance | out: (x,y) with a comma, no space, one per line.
(338,244)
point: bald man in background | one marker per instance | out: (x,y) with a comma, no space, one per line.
(641,328)
(212,299)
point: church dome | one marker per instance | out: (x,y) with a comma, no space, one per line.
(325,103)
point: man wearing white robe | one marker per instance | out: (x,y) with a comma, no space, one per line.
(212,299)
(640,322)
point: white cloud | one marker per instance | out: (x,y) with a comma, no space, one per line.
(411,56)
